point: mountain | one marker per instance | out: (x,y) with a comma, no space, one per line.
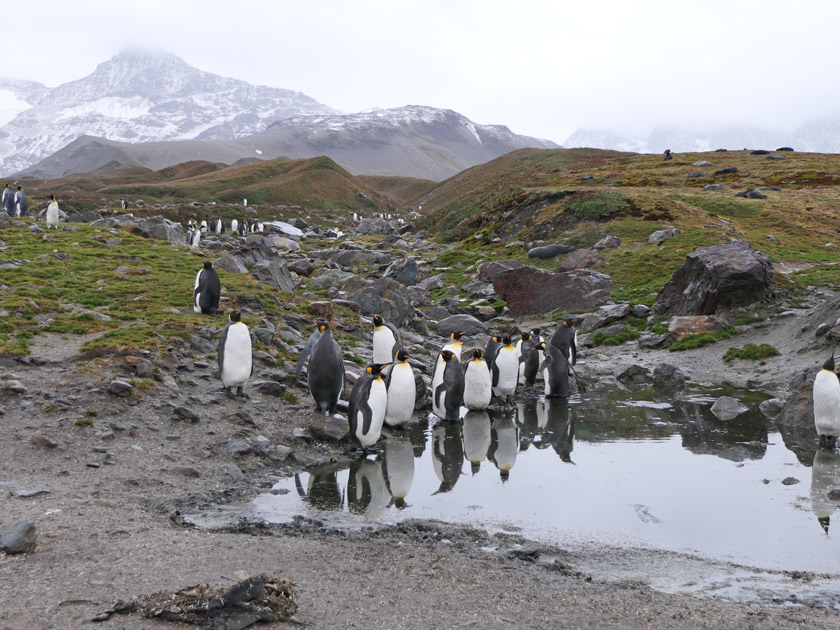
(140,97)
(412,141)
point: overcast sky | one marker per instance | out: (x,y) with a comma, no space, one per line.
(543,68)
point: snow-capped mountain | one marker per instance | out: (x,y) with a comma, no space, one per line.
(138,97)
(413,141)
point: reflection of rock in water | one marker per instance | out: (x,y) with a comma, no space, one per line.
(504,442)
(476,435)
(322,491)
(801,441)
(736,440)
(398,461)
(447,454)
(560,428)
(367,491)
(825,485)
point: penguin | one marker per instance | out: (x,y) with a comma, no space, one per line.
(326,370)
(234,227)
(52,213)
(243,228)
(367,488)
(8,200)
(398,462)
(492,349)
(825,478)
(529,362)
(207,290)
(504,444)
(401,391)
(123,204)
(448,395)
(555,370)
(303,359)
(368,401)
(826,392)
(505,370)
(194,236)
(203,227)
(453,346)
(476,436)
(235,361)
(21,203)
(386,340)
(478,388)
(447,455)
(565,338)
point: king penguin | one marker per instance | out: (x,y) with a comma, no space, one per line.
(326,370)
(565,338)
(492,349)
(401,391)
(825,475)
(478,388)
(235,361)
(193,236)
(448,395)
(207,290)
(555,370)
(529,362)
(52,213)
(368,401)
(21,203)
(505,370)
(386,340)
(454,346)
(234,227)
(827,404)
(8,200)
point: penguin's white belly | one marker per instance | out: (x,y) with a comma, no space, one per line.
(378,402)
(508,446)
(383,344)
(477,386)
(399,466)
(437,379)
(476,434)
(401,395)
(52,214)
(197,296)
(827,404)
(439,403)
(508,367)
(237,356)
(547,388)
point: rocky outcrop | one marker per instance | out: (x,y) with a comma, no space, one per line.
(685,326)
(388,298)
(369,227)
(403,271)
(604,315)
(717,277)
(489,270)
(460,323)
(580,259)
(532,291)
(275,273)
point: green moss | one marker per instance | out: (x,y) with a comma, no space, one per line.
(84,422)
(751,352)
(693,342)
(92,413)
(597,205)
(607,339)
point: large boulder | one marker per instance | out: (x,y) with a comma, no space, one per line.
(388,298)
(460,323)
(161,228)
(362,258)
(489,270)
(607,314)
(404,271)
(369,226)
(532,291)
(275,273)
(580,259)
(231,263)
(717,277)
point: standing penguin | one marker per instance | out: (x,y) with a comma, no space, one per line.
(555,369)
(368,401)
(492,349)
(21,203)
(448,395)
(529,362)
(826,394)
(234,227)
(207,290)
(386,340)
(401,391)
(453,346)
(8,200)
(565,338)
(203,226)
(235,361)
(193,236)
(505,370)
(52,213)
(326,370)
(478,388)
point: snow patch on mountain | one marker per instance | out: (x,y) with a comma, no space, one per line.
(10,106)
(109,107)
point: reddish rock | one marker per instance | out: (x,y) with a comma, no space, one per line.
(302,267)
(489,270)
(608,242)
(532,291)
(685,326)
(321,310)
(580,259)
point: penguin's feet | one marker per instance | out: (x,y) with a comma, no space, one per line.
(240,392)
(229,393)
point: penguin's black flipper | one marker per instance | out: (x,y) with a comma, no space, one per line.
(397,340)
(440,388)
(220,353)
(494,371)
(307,350)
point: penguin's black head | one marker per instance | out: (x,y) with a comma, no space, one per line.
(375,369)
(535,332)
(402,355)
(829,363)
(447,355)
(504,475)
(208,264)
(526,336)
(478,353)
(321,325)
(52,197)
(539,346)
(236,316)
(506,340)
(378,320)
(496,338)
(456,336)
(20,187)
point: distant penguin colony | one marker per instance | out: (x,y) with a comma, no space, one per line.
(235,356)
(207,290)
(826,393)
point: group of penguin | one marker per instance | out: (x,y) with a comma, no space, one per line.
(195,230)
(14,202)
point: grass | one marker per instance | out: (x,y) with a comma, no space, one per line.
(751,352)
(607,339)
(692,342)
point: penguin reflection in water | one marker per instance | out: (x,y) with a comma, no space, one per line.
(447,454)
(326,369)
(504,443)
(368,401)
(825,479)
(235,361)
(207,290)
(826,392)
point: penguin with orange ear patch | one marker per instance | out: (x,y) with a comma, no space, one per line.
(368,401)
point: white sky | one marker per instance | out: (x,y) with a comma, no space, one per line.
(543,68)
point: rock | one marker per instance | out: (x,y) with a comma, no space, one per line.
(364,258)
(263,335)
(5,221)
(660,236)
(727,408)
(668,381)
(388,298)
(120,388)
(422,398)
(182,413)
(403,271)
(202,345)
(20,537)
(280,243)
(328,428)
(603,316)
(332,279)
(798,410)
(717,277)
(751,193)
(653,341)
(580,259)
(608,242)
(42,441)
(773,238)
(790,481)
(433,283)
(701,163)
(369,227)
(237,447)
(727,171)
(822,329)
(143,368)
(771,408)
(270,388)
(286,228)
(321,310)
(161,228)
(714,187)
(532,291)
(489,270)
(639,310)
(13,385)
(230,263)
(549,251)
(275,273)
(302,267)
(634,375)
(460,323)
(684,326)
(35,229)
(187,471)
